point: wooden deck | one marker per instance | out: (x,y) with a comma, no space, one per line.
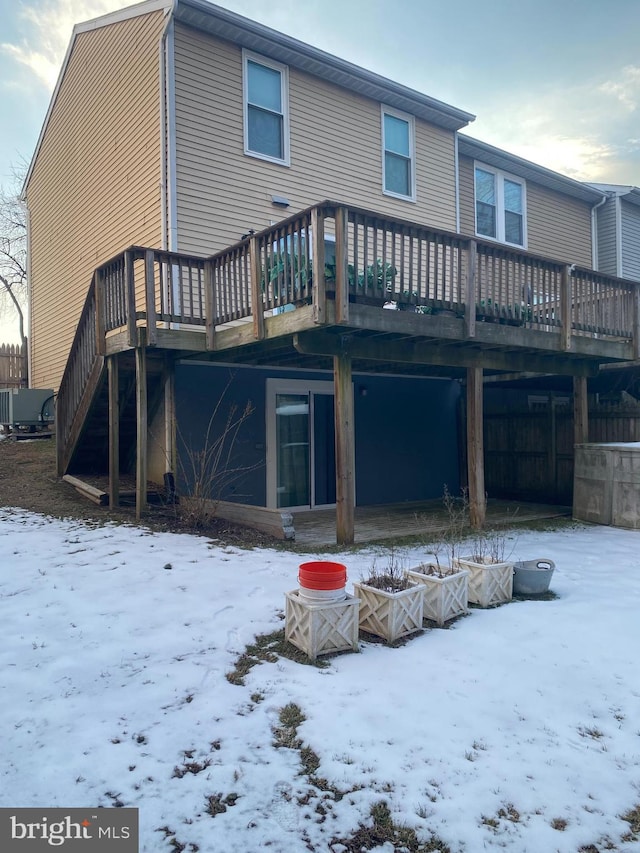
(388,521)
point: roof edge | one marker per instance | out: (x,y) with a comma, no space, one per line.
(279,39)
(471,147)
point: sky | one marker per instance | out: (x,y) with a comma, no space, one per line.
(515,730)
(554,81)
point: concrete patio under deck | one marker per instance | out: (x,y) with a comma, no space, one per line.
(428,518)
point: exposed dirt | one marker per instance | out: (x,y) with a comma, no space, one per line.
(28,480)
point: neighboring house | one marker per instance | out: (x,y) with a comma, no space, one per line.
(185,128)
(619,231)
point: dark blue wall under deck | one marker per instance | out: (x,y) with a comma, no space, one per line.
(406,431)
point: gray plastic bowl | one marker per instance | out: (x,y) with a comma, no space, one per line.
(532,577)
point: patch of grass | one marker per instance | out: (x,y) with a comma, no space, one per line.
(193,767)
(590,731)
(268,648)
(549,595)
(632,817)
(217,805)
(559,823)
(286,734)
(384,831)
(509,812)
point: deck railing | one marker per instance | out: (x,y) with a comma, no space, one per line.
(353,255)
(348,255)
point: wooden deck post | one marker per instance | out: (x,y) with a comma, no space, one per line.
(209,304)
(636,321)
(319,295)
(257,302)
(566,303)
(97,282)
(342,273)
(114,431)
(345,451)
(580,410)
(141,426)
(470,295)
(130,285)
(150,297)
(475,448)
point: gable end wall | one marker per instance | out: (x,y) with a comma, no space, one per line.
(95,186)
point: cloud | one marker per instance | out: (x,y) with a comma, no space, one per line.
(626,89)
(587,131)
(45,33)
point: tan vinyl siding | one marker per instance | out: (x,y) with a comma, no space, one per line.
(558,226)
(95,187)
(467,196)
(336,152)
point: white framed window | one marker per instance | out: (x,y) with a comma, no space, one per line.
(398,154)
(500,206)
(266,108)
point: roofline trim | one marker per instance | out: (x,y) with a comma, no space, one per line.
(322,57)
(578,189)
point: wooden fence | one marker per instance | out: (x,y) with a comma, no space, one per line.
(529,454)
(13,366)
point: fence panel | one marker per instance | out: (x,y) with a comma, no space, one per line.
(13,366)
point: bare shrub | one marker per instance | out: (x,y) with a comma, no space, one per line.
(214,467)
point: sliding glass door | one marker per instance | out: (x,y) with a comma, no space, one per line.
(300,444)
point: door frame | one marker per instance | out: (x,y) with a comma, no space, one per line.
(291,386)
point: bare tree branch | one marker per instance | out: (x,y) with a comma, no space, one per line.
(13,249)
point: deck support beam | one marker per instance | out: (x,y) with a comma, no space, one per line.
(141,427)
(475,449)
(345,454)
(114,431)
(580,410)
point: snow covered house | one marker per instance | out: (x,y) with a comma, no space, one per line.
(210,197)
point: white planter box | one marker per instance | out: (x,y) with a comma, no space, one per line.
(489,583)
(444,598)
(390,615)
(322,627)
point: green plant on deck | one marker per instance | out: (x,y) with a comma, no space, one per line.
(378,275)
(518,313)
(285,268)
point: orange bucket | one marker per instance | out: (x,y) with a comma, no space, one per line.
(322,575)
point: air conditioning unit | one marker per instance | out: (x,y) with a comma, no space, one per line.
(25,409)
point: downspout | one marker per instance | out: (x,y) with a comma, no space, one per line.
(457,170)
(169,215)
(594,232)
(168,128)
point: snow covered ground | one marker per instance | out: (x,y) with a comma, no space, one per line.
(517,729)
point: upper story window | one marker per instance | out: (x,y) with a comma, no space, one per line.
(398,163)
(500,206)
(266,112)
